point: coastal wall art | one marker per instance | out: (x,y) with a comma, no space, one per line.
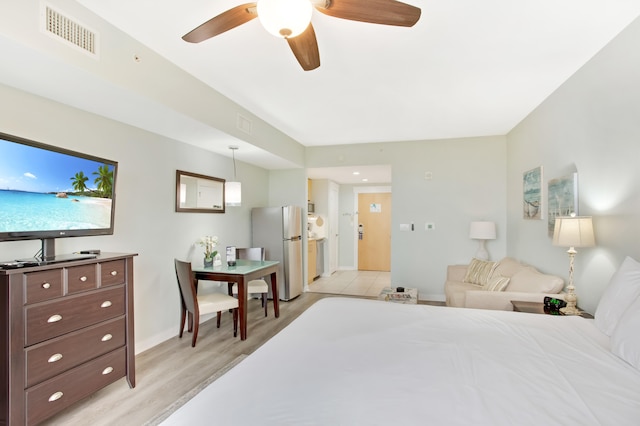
(532,194)
(563,198)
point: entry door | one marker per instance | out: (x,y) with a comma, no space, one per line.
(374,220)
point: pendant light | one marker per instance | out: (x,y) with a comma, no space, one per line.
(233,190)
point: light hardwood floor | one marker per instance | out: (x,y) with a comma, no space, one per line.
(352,283)
(167,371)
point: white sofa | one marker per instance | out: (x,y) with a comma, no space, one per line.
(512,280)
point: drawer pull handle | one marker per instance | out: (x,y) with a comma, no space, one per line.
(106,304)
(46,285)
(107,370)
(54,318)
(83,278)
(107,337)
(56,396)
(55,357)
(114,273)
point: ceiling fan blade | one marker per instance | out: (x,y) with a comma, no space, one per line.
(224,22)
(387,12)
(305,48)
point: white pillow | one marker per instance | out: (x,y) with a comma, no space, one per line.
(622,291)
(625,340)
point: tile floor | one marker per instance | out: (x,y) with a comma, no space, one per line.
(352,283)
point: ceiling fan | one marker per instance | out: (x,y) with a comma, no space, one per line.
(291,20)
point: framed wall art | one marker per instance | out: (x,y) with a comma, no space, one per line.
(563,198)
(532,194)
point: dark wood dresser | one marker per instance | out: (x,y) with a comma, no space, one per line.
(66,331)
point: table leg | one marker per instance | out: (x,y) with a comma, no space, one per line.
(242,307)
(274,293)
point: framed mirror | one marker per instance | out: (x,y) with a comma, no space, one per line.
(199,193)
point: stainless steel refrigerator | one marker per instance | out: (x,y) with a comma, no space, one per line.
(279,231)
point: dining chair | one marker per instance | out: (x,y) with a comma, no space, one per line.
(254,286)
(204,304)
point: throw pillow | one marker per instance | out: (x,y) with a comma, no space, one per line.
(625,340)
(479,271)
(622,291)
(496,283)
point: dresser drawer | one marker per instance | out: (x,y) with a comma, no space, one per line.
(112,273)
(49,397)
(43,285)
(63,353)
(81,278)
(52,319)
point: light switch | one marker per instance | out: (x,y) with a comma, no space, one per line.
(405,227)
(429,226)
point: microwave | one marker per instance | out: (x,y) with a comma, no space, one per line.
(311,208)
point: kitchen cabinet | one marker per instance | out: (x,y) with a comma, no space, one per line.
(311,260)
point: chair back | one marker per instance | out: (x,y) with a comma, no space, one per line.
(252,253)
(186,285)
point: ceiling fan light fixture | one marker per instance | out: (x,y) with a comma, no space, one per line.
(285,18)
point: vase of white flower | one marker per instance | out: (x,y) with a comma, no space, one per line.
(209,243)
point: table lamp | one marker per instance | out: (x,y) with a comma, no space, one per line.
(482,231)
(572,232)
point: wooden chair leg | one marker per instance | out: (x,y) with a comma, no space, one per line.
(219,316)
(264,303)
(190,325)
(196,321)
(183,317)
(235,322)
(230,291)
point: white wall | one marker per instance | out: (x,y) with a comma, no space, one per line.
(591,125)
(146,222)
(468,184)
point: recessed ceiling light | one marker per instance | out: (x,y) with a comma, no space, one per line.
(356,173)
(365,180)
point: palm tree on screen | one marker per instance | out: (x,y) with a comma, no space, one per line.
(104,181)
(79,182)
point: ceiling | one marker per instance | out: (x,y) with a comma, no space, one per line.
(466,69)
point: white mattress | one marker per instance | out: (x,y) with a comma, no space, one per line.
(365,362)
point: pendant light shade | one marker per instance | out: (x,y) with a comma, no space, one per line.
(233,189)
(285,18)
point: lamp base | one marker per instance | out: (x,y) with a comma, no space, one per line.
(570,310)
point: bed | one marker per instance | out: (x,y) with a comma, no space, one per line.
(365,362)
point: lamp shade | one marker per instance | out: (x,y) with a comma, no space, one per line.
(233,193)
(482,231)
(285,18)
(576,231)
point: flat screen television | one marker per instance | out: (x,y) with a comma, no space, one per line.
(48,192)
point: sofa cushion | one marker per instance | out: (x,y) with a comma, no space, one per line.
(508,267)
(531,281)
(479,271)
(496,283)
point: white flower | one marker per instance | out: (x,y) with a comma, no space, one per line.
(208,242)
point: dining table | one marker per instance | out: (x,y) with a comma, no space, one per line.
(241,273)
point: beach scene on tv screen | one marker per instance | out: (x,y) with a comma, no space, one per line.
(42,190)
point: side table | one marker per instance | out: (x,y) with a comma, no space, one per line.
(538,308)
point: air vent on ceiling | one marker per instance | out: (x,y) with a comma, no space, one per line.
(69,30)
(244,124)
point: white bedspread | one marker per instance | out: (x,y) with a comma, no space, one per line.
(365,362)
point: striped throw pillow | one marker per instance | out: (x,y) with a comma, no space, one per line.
(479,271)
(496,283)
